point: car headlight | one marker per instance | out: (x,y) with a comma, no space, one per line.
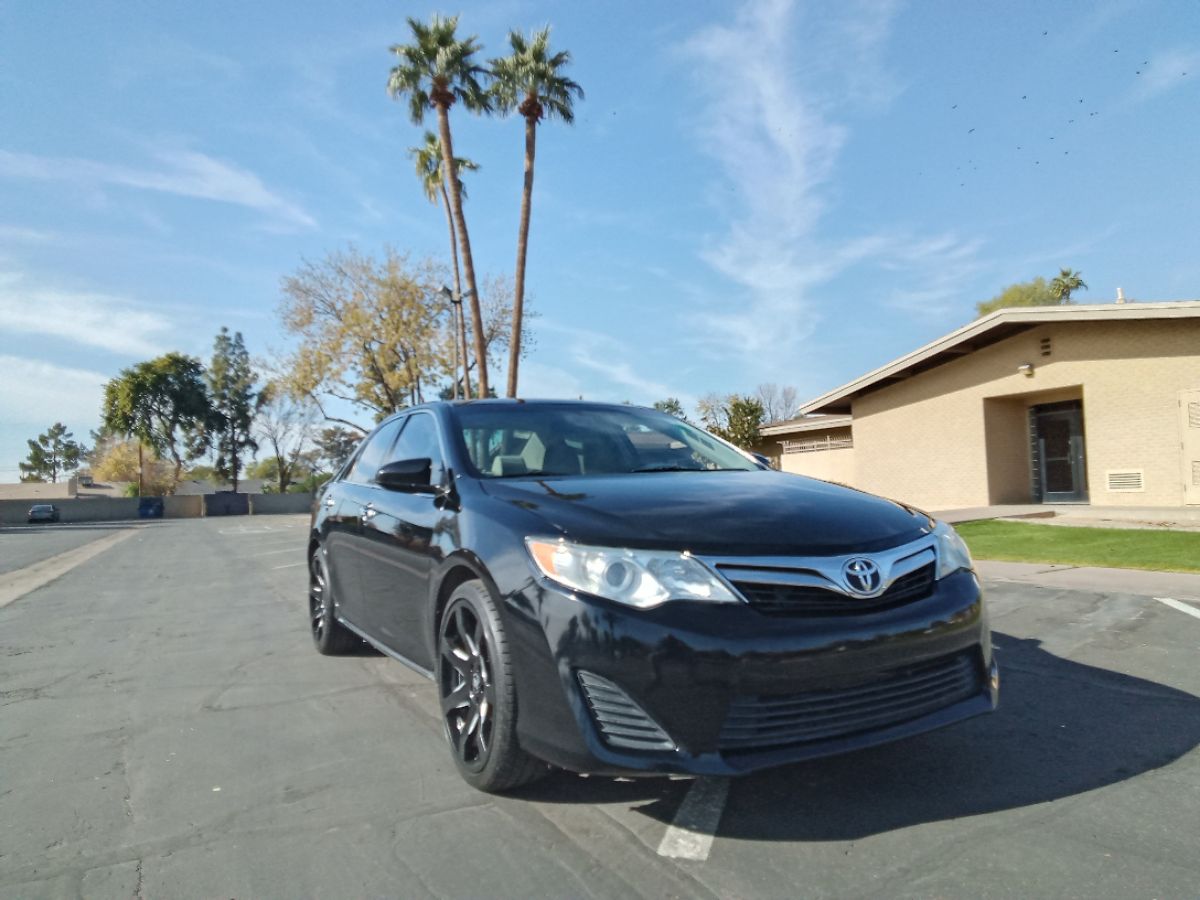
(641,578)
(952,552)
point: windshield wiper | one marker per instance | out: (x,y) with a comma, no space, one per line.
(670,467)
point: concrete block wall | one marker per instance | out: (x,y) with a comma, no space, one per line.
(183,507)
(103,509)
(115,509)
(277,504)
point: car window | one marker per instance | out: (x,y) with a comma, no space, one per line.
(419,440)
(375,452)
(582,440)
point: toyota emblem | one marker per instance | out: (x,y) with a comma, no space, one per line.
(862,576)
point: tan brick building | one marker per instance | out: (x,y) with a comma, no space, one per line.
(1097,404)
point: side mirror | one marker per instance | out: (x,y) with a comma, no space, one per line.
(764,461)
(412,476)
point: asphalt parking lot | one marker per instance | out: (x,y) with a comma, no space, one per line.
(166,730)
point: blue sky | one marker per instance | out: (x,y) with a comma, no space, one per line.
(766,191)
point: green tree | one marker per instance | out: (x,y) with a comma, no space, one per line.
(1065,283)
(231,389)
(164,403)
(334,446)
(530,81)
(1025,293)
(672,407)
(428,161)
(118,459)
(735,418)
(370,333)
(438,70)
(51,454)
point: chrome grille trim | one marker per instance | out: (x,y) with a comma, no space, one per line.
(813,585)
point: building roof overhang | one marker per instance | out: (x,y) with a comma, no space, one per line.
(805,423)
(981,333)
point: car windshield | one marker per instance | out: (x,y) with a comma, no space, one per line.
(566,440)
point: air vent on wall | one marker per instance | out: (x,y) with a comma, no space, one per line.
(1046,346)
(1125,479)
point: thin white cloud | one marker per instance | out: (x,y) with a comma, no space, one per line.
(541,380)
(604,355)
(89,319)
(36,395)
(1167,71)
(18,233)
(185,173)
(777,142)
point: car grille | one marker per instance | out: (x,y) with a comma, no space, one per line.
(764,722)
(806,600)
(623,724)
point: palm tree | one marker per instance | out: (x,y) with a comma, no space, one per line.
(1067,282)
(437,70)
(429,165)
(530,81)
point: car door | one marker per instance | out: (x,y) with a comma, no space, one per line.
(347,504)
(402,537)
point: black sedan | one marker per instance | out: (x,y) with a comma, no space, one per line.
(43,512)
(611,590)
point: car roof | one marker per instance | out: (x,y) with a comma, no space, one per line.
(515,403)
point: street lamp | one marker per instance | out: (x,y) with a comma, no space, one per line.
(456,298)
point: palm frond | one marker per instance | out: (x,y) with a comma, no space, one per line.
(437,66)
(530,78)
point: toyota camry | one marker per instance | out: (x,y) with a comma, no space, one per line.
(609,589)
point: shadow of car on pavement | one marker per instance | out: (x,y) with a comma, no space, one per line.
(1063,728)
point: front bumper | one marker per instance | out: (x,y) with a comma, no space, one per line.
(735,690)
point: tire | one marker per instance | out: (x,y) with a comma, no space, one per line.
(478,694)
(330,636)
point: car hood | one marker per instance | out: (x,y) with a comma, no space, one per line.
(758,513)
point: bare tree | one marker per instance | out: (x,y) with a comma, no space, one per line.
(497,308)
(285,427)
(779,403)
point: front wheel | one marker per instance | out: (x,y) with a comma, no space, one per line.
(478,695)
(329,635)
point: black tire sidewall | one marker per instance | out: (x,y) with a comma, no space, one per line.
(334,639)
(504,740)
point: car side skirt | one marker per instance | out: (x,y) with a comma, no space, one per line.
(384,648)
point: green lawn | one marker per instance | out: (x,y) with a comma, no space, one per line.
(1123,548)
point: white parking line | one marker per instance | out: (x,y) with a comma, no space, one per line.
(288,566)
(291,549)
(690,836)
(23,581)
(1182,607)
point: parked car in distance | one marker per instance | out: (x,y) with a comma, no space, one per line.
(611,590)
(43,512)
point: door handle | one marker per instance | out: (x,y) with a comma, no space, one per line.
(368,511)
(329,502)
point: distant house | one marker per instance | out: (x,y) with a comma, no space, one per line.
(1096,404)
(40,490)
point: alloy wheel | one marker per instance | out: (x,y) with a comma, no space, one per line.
(318,596)
(465,684)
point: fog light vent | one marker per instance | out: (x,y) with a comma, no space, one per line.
(622,722)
